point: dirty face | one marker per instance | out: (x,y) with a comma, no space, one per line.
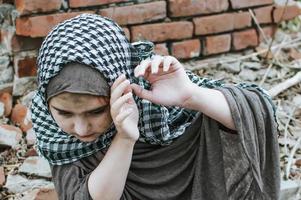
(82,115)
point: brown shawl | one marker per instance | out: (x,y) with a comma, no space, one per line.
(207,162)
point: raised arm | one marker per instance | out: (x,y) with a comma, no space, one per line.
(108,179)
(172,87)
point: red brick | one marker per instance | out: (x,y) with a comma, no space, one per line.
(39,26)
(6,88)
(7,99)
(178,8)
(20,118)
(86,3)
(186,49)
(127,33)
(161,49)
(236,4)
(34,6)
(242,20)
(245,39)
(214,24)
(264,14)
(162,31)
(21,43)
(269,32)
(136,14)
(2,176)
(25,66)
(217,44)
(288,13)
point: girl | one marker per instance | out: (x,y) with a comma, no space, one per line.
(117,122)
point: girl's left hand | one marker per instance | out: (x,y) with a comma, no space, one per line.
(170,85)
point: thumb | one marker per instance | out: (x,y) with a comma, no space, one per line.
(141,92)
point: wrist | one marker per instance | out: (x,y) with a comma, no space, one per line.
(123,137)
(189,102)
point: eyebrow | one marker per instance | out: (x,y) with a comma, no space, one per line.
(87,111)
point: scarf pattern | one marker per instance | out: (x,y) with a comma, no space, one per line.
(100,43)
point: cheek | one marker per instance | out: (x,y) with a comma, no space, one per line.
(102,122)
(62,122)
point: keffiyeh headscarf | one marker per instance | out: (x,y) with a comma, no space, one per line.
(100,43)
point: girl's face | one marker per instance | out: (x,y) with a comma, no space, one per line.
(81,115)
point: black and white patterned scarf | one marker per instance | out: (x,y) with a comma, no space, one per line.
(100,43)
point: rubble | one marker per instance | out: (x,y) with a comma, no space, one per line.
(19,184)
(10,135)
(37,166)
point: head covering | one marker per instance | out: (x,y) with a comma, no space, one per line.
(99,43)
(78,78)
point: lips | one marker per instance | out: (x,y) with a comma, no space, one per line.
(87,138)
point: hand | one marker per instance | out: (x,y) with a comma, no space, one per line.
(124,110)
(170,85)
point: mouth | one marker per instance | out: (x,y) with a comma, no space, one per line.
(88,138)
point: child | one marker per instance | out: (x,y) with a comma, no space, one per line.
(116,122)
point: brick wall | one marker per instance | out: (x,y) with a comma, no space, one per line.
(182,28)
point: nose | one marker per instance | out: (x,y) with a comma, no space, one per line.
(81,127)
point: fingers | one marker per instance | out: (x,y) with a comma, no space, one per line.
(119,87)
(156,61)
(141,92)
(121,98)
(118,81)
(123,115)
(117,105)
(140,69)
(155,64)
(167,62)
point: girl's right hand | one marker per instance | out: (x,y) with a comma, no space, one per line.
(124,110)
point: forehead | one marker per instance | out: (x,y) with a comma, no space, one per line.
(67,98)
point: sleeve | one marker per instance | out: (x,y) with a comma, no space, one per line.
(71,182)
(254,117)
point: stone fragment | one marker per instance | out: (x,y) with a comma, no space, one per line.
(6,75)
(24,85)
(7,100)
(248,75)
(19,184)
(27,99)
(31,152)
(289,189)
(231,67)
(36,165)
(10,135)
(2,176)
(4,62)
(21,117)
(44,193)
(30,137)
(1,109)
(252,65)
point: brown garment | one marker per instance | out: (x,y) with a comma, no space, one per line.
(206,162)
(78,78)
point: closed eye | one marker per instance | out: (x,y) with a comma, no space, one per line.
(98,110)
(63,113)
